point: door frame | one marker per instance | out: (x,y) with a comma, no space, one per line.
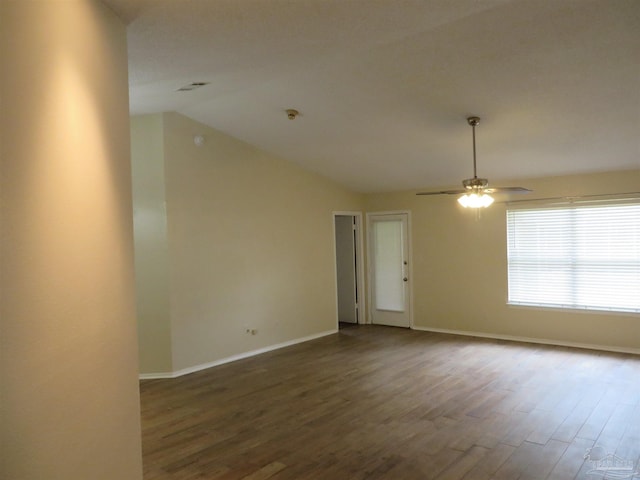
(359,246)
(370,269)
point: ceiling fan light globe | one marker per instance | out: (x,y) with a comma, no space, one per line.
(473,200)
(486,200)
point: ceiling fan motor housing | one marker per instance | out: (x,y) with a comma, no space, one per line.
(475,183)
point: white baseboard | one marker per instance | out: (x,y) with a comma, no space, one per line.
(233,358)
(543,341)
(154,376)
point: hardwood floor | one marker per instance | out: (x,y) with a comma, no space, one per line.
(385,403)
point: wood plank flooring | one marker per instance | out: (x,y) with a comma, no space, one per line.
(384,403)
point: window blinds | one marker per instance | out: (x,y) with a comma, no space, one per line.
(585,257)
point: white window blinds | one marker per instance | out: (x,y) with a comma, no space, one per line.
(584,257)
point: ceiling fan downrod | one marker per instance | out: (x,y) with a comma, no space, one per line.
(474,121)
(475,184)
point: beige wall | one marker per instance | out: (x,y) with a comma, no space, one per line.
(68,357)
(460,268)
(250,246)
(151,246)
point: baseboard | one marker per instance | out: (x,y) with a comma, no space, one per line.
(233,358)
(543,341)
(155,376)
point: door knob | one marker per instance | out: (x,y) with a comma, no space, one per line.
(405,279)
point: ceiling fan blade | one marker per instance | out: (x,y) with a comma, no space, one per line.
(443,192)
(507,190)
(486,190)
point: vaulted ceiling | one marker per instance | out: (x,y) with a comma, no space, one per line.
(384,86)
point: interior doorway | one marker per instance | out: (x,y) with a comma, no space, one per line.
(349,268)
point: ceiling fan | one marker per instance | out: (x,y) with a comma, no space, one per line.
(476,190)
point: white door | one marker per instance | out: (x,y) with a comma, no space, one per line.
(389,269)
(345,227)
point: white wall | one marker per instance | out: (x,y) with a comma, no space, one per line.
(69,405)
(250,246)
(460,268)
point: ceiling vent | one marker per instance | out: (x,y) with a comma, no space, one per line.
(192,86)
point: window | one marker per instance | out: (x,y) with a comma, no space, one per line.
(585,257)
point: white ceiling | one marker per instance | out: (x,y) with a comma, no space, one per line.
(384,86)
